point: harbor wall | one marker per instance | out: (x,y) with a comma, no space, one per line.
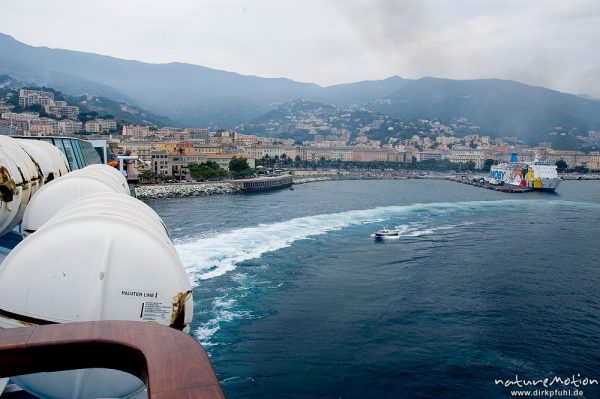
(184,190)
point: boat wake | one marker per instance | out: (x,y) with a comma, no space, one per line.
(215,255)
(418,229)
(211,256)
(221,311)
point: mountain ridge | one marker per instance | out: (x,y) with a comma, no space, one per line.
(195,95)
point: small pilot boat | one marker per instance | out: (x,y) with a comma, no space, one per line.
(385,232)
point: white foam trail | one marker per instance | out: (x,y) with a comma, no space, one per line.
(419,233)
(431,230)
(212,256)
(223,312)
(203,333)
(412,231)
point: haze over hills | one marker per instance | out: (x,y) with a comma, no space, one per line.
(193,95)
(90,106)
(188,94)
(502,106)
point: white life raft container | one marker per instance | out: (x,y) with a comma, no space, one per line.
(105,172)
(103,257)
(114,204)
(55,195)
(20,179)
(52,162)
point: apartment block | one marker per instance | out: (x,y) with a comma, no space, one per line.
(181,135)
(31,97)
(62,110)
(314,154)
(23,116)
(93,126)
(6,129)
(465,157)
(431,156)
(572,158)
(107,125)
(594,161)
(160,163)
(69,127)
(364,155)
(259,152)
(100,126)
(197,133)
(397,156)
(43,127)
(340,154)
(143,149)
(136,132)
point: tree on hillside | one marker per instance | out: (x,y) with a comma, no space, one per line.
(239,167)
(284,159)
(561,165)
(487,165)
(207,171)
(266,161)
(238,164)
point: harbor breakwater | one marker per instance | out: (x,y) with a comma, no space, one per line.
(225,187)
(184,190)
(199,189)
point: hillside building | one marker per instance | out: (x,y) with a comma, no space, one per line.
(136,132)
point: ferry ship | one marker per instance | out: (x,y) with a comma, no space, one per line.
(538,175)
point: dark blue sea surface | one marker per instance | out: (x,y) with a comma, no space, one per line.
(294,298)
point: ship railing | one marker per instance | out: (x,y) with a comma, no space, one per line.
(169,362)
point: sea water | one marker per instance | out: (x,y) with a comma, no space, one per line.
(295,299)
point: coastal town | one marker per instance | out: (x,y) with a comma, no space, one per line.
(331,140)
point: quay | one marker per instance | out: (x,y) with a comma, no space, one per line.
(265,183)
(506,188)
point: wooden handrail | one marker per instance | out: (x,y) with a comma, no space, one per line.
(171,363)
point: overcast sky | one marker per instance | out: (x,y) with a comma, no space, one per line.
(551,43)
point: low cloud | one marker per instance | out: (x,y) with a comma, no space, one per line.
(540,42)
(551,43)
